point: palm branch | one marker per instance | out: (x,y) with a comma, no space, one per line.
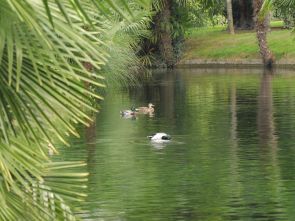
(46,89)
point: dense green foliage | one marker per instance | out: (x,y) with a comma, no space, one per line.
(54,55)
(285,13)
(170,23)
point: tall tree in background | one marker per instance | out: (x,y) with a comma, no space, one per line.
(262,27)
(167,32)
(164,33)
(243,14)
(230,21)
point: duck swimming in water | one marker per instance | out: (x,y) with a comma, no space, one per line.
(146,110)
(160,137)
(128,113)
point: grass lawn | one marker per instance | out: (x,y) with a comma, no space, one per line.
(216,43)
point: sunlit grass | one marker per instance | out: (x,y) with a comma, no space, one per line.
(277,24)
(216,43)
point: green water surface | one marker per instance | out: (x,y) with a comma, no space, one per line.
(232,156)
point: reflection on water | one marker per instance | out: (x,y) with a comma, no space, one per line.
(265,123)
(231,156)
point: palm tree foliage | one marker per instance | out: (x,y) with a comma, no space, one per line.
(46,88)
(282,9)
(172,18)
(282,6)
(165,28)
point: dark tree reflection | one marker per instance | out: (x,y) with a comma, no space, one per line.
(265,122)
(90,138)
(167,95)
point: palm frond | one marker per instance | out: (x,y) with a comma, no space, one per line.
(46,89)
(265,8)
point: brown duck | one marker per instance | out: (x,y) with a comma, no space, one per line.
(146,110)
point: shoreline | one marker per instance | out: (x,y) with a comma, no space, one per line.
(234,63)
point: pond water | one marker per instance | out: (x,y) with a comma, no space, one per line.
(232,154)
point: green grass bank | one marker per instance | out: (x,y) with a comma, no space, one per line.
(216,43)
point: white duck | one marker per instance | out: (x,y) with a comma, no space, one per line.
(160,137)
(146,110)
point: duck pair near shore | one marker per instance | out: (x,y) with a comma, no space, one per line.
(140,110)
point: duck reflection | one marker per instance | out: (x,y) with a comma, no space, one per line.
(158,146)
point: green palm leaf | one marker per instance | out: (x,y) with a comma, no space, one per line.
(46,89)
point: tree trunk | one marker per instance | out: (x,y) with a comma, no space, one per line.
(243,14)
(261,27)
(230,22)
(163,30)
